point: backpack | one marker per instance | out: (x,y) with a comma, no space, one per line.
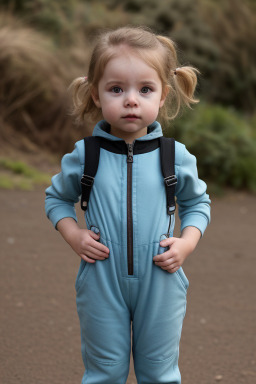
(92,155)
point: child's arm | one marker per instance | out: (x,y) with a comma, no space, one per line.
(65,190)
(83,241)
(194,212)
(60,201)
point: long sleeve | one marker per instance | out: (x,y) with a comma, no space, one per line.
(192,199)
(65,190)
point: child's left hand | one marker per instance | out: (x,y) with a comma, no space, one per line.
(172,259)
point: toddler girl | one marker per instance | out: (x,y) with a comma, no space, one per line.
(130,272)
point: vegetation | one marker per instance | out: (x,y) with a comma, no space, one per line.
(217,37)
(44,44)
(223,141)
(16,174)
(33,89)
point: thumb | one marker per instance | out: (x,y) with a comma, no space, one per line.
(94,235)
(167,242)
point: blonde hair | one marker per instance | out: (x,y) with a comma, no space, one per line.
(157,51)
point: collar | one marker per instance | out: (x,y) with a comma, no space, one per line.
(144,144)
(102,129)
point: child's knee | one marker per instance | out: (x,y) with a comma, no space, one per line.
(106,372)
(157,371)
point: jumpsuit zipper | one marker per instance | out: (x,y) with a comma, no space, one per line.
(129,209)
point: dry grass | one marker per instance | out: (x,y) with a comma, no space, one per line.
(34,103)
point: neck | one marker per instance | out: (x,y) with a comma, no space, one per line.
(128,137)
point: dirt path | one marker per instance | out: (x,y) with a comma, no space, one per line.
(40,336)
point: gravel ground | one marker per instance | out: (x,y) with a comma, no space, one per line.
(40,335)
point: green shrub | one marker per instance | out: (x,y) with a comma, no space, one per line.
(223,142)
(17,174)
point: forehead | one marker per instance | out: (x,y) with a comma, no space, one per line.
(124,60)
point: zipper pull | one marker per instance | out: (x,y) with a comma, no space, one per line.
(130,153)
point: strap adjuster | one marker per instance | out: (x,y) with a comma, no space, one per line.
(170,180)
(171,210)
(87,180)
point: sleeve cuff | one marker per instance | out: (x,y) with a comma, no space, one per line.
(56,215)
(198,221)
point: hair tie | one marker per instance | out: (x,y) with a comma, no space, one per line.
(176,70)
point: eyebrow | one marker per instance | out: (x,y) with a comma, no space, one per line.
(114,81)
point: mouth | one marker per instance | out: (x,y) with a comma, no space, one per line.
(131,117)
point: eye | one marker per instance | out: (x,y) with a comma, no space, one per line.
(116,89)
(145,90)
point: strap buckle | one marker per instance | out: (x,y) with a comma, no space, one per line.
(171,210)
(170,180)
(87,180)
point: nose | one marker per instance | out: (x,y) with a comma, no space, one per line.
(131,100)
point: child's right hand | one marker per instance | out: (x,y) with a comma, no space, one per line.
(85,243)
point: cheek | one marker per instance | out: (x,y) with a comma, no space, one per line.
(152,111)
(110,111)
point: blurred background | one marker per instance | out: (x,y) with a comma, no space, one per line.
(44,45)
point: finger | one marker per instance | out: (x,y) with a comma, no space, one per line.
(167,242)
(97,252)
(170,267)
(92,255)
(87,259)
(165,263)
(100,247)
(162,257)
(94,235)
(173,270)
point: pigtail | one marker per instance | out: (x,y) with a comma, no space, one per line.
(82,100)
(180,81)
(184,82)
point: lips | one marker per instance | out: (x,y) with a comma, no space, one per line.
(131,116)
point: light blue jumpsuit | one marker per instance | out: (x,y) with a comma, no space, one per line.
(109,296)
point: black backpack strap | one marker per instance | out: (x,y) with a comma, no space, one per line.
(167,150)
(91,162)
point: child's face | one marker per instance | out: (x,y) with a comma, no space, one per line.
(130,95)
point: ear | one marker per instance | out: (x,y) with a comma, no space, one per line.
(164,95)
(95,97)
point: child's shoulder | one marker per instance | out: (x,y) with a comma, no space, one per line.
(179,152)
(79,149)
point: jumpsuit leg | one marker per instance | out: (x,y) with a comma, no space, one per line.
(105,323)
(160,305)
